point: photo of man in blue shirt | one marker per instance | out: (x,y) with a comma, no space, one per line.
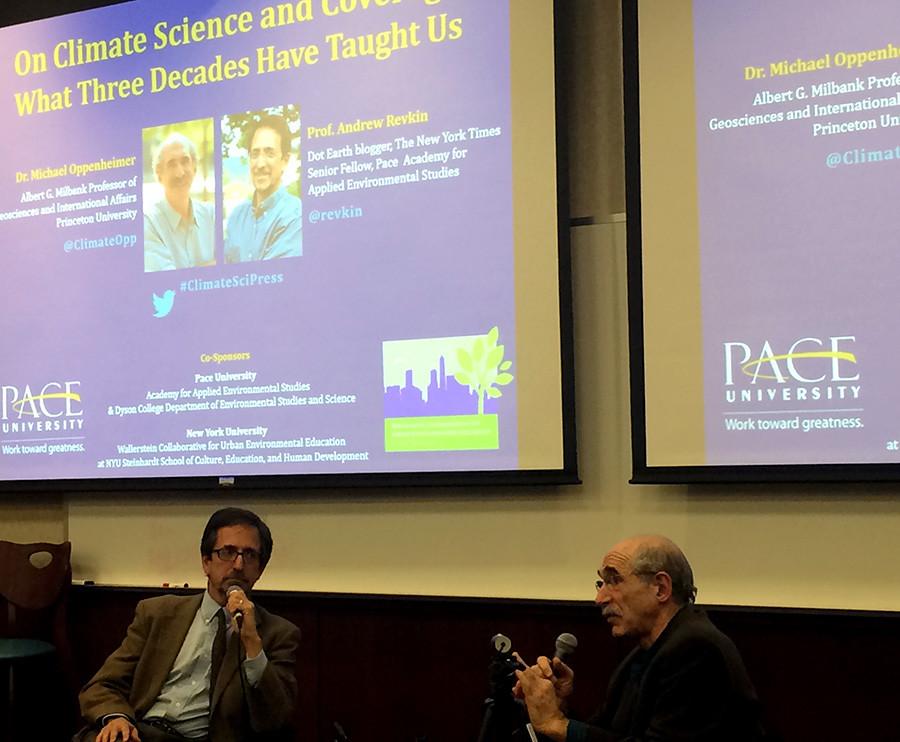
(268,224)
(178,228)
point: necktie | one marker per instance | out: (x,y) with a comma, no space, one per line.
(218,652)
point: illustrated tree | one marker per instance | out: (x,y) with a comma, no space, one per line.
(483,368)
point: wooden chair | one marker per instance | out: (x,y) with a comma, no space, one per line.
(34,644)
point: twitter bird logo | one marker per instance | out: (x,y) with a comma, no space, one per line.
(162,305)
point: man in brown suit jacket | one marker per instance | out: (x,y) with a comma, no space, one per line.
(156,685)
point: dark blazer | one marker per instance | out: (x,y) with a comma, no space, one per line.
(131,678)
(694,688)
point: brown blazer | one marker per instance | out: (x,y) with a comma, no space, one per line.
(131,678)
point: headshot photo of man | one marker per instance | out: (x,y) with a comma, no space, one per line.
(266,222)
(179,218)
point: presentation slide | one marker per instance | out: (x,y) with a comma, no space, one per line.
(242,238)
(778,260)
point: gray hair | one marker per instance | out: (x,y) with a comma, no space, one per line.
(665,556)
(174,138)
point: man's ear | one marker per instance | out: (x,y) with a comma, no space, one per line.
(663,583)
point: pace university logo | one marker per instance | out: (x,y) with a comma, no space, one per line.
(807,369)
(54,406)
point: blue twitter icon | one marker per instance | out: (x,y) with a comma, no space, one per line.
(162,305)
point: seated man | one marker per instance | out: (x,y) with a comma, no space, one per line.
(177,676)
(684,681)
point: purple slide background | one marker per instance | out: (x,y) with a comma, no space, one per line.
(791,248)
(426,260)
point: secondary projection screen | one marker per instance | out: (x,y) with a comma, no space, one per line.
(764,146)
(315,238)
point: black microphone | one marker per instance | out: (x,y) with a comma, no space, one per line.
(566,644)
(239,614)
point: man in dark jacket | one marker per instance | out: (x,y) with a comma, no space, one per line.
(684,681)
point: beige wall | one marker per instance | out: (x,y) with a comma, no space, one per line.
(27,518)
(819,546)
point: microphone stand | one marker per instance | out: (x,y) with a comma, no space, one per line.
(340,734)
(503,719)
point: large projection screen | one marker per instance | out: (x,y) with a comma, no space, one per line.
(763,152)
(284,244)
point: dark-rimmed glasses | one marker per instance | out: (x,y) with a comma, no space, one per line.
(230,553)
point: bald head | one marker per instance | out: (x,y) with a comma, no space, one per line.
(648,555)
(644,581)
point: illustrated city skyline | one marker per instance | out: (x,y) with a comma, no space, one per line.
(445,396)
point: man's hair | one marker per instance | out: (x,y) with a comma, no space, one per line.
(276,124)
(236,517)
(174,138)
(665,556)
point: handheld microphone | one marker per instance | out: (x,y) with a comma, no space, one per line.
(566,644)
(239,614)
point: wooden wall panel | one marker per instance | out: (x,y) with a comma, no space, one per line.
(406,668)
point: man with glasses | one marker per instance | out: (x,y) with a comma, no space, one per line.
(685,680)
(214,666)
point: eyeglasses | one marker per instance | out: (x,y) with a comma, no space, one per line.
(614,580)
(600,584)
(229,554)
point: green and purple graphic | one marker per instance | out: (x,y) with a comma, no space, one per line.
(442,394)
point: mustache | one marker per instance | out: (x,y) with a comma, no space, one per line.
(236,580)
(609,613)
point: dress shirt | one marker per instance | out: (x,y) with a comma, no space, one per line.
(269,230)
(171,241)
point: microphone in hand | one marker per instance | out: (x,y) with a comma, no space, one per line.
(563,677)
(566,644)
(238,613)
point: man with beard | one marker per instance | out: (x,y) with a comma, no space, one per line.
(177,674)
(268,225)
(684,681)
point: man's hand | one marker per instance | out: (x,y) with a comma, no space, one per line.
(119,728)
(238,601)
(560,673)
(556,670)
(536,685)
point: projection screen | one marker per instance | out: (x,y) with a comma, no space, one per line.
(763,142)
(280,244)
